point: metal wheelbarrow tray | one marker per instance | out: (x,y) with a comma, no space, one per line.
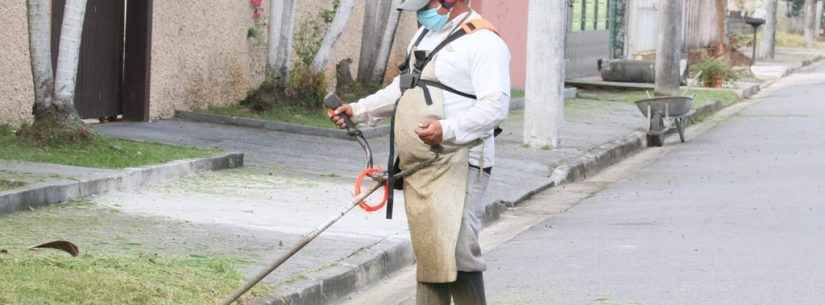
(661,109)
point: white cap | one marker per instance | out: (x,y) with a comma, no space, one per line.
(413,5)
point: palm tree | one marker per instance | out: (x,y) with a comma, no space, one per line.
(55,92)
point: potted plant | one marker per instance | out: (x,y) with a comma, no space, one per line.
(714,72)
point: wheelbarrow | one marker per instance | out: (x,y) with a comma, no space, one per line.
(663,112)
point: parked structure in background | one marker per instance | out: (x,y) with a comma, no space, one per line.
(702,26)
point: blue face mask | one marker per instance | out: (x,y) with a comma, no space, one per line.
(431,20)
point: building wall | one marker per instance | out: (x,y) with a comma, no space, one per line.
(16,88)
(510,18)
(201,55)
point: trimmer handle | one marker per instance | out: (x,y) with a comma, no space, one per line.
(332,101)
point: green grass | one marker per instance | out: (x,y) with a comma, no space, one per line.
(516,93)
(93,279)
(125,260)
(294,115)
(790,40)
(701,97)
(102,152)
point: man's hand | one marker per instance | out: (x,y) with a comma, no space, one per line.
(430,132)
(335,116)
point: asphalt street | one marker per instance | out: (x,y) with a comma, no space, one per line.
(735,216)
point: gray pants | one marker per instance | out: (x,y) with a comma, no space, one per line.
(468,250)
(468,289)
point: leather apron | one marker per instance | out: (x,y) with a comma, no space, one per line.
(433,196)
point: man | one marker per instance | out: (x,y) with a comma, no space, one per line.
(452,93)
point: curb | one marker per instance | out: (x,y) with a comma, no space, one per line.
(370,132)
(40,195)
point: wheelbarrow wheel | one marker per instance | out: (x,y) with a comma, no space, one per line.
(680,126)
(657,140)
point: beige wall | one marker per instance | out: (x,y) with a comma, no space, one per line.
(16,89)
(201,55)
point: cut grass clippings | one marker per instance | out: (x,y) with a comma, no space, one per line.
(125,260)
(101,152)
(6,185)
(47,277)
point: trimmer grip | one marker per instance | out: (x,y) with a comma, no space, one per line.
(332,101)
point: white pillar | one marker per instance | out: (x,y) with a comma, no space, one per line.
(544,88)
(819,7)
(767,46)
(810,23)
(669,48)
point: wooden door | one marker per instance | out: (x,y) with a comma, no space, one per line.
(100,75)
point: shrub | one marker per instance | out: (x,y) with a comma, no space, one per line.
(713,70)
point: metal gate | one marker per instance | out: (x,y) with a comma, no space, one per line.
(100,72)
(587,37)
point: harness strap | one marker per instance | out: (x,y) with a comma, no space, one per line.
(439,85)
(466,28)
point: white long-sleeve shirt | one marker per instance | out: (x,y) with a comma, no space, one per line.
(478,64)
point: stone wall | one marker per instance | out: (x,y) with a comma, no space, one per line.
(16,88)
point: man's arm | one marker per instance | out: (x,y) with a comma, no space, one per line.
(490,72)
(378,105)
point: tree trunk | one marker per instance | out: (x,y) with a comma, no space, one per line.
(668,51)
(68,59)
(41,56)
(544,105)
(810,23)
(339,23)
(818,22)
(281,28)
(722,26)
(376,22)
(387,41)
(767,47)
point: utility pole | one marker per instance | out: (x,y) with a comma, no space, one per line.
(810,23)
(669,47)
(767,47)
(818,26)
(544,104)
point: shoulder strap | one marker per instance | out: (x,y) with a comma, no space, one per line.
(475,25)
(405,65)
(468,27)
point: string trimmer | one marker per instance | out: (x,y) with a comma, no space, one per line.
(376,174)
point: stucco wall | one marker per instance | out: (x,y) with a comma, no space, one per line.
(510,19)
(201,55)
(16,89)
